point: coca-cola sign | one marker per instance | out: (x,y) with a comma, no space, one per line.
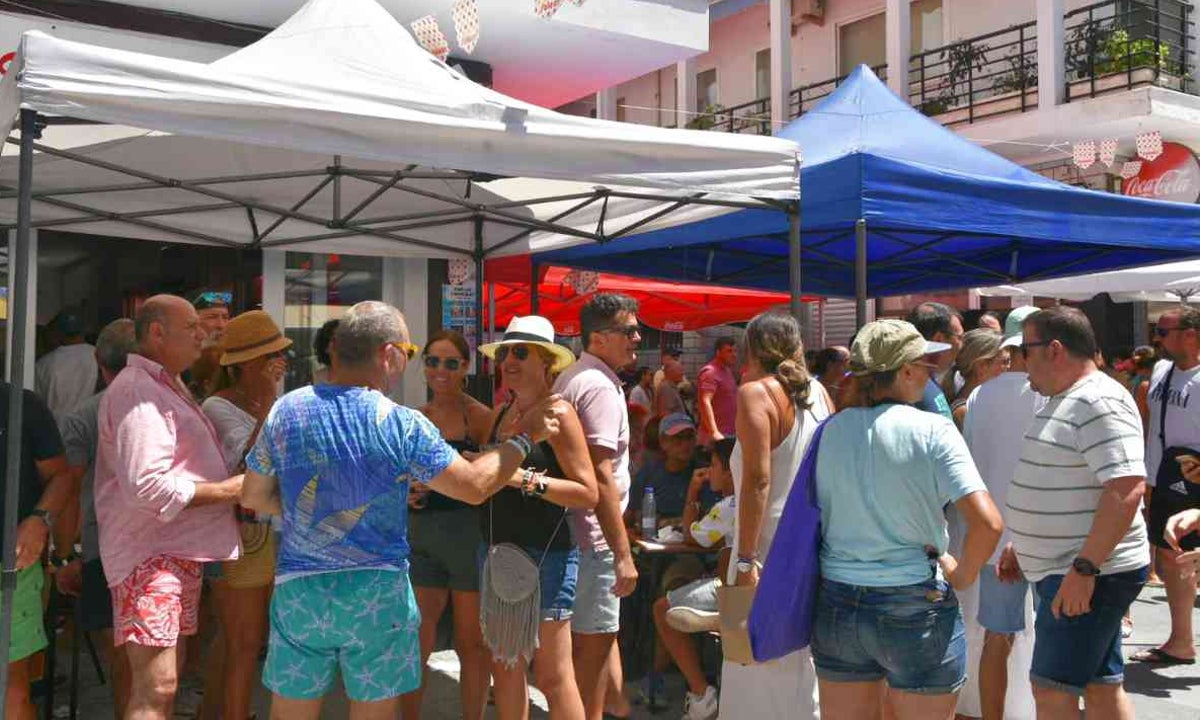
(1173,176)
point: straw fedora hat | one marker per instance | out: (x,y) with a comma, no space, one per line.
(251,335)
(532,330)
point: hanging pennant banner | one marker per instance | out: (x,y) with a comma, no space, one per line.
(1108,151)
(1150,145)
(466,24)
(583,282)
(1131,168)
(460,271)
(546,8)
(1174,176)
(1085,154)
(430,36)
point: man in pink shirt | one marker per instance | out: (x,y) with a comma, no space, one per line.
(163,503)
(606,570)
(717,399)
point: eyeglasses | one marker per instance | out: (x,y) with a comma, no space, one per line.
(211,298)
(433,362)
(1025,346)
(410,351)
(520,352)
(629,331)
(1162,332)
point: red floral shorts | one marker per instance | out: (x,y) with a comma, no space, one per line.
(157,602)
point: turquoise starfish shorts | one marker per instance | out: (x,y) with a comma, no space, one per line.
(364,623)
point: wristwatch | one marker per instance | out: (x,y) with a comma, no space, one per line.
(45,517)
(1085,567)
(62,562)
(745,565)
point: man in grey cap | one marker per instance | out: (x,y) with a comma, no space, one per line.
(998,413)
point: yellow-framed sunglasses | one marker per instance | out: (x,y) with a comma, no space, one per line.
(409,349)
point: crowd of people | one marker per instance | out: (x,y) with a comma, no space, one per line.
(335,527)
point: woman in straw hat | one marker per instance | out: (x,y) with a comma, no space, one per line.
(444,533)
(531,561)
(887,628)
(253,365)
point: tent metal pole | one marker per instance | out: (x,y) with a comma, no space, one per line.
(797,306)
(18,278)
(860,273)
(480,383)
(533,287)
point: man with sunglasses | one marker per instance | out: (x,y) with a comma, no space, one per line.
(336,460)
(1173,472)
(1073,512)
(609,326)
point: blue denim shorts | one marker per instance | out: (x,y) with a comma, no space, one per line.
(1071,653)
(1001,604)
(911,635)
(559,576)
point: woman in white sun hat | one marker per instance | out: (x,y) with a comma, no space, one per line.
(530,560)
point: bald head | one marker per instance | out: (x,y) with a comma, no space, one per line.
(365,330)
(167,331)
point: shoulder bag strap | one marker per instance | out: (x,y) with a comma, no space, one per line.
(1162,417)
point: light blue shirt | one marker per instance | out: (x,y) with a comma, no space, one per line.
(934,401)
(884,475)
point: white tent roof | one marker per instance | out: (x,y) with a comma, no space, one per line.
(337,132)
(1169,282)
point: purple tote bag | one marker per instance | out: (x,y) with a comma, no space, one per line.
(781,618)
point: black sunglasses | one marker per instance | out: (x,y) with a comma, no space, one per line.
(433,362)
(1025,346)
(628,331)
(520,352)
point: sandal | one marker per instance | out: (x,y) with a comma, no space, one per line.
(1126,628)
(1158,656)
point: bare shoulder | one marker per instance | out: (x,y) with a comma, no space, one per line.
(753,391)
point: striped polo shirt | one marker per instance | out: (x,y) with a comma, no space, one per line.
(1081,439)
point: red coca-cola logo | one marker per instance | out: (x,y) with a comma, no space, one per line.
(1173,176)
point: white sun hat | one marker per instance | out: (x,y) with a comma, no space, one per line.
(532,330)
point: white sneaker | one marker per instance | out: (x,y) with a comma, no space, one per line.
(691,620)
(701,707)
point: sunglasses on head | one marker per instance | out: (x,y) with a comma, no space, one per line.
(520,352)
(212,298)
(433,362)
(410,350)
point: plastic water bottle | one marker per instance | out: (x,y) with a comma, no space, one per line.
(649,515)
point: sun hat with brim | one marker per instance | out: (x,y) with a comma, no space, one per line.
(1014,325)
(532,330)
(251,335)
(886,345)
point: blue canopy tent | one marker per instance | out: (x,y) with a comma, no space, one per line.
(932,210)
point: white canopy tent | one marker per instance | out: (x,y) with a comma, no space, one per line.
(335,133)
(1168,282)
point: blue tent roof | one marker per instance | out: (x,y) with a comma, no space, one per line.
(941,213)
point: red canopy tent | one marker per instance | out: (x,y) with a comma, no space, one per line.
(673,307)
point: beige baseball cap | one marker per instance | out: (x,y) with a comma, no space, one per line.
(889,344)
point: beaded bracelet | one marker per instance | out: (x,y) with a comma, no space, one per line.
(522,443)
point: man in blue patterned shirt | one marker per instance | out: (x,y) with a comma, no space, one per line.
(336,461)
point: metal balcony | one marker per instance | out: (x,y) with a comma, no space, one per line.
(1124,44)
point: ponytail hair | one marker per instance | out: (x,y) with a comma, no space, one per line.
(773,339)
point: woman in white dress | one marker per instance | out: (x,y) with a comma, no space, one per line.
(779,406)
(252,367)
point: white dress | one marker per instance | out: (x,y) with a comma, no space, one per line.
(787,687)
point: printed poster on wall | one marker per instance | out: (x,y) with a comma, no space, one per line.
(459,312)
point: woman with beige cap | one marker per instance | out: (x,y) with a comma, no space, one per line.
(531,561)
(886,608)
(252,367)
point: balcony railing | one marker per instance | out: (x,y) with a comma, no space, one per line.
(806,97)
(753,118)
(1123,44)
(977,78)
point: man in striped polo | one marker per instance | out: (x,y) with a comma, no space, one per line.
(1073,513)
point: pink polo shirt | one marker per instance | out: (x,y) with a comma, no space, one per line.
(594,390)
(719,380)
(155,445)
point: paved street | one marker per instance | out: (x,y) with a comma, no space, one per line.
(1158,693)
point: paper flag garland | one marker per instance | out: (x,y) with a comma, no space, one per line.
(546,8)
(466,24)
(1149,145)
(1085,154)
(583,281)
(1131,168)
(430,36)
(460,270)
(1108,151)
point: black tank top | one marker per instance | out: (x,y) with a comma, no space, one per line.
(530,522)
(436,501)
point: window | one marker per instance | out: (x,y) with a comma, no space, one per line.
(706,90)
(762,73)
(926,30)
(862,42)
(620,109)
